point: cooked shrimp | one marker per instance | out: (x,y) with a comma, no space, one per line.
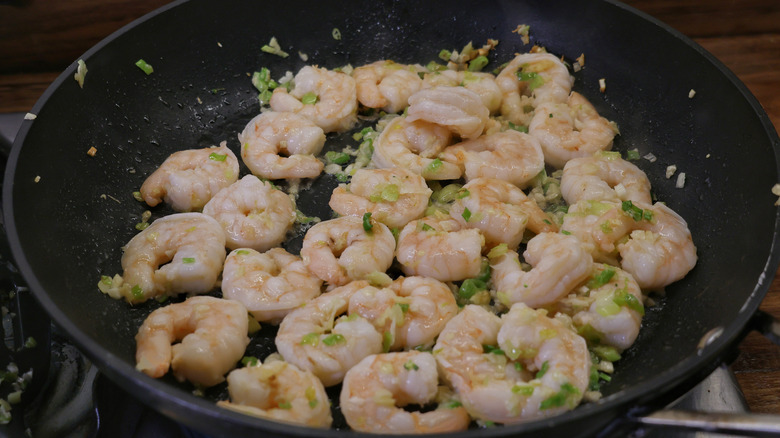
(509,155)
(571,129)
(315,338)
(607,309)
(213,335)
(386,85)
(458,109)
(188,179)
(269,284)
(376,389)
(279,391)
(659,249)
(440,248)
(520,367)
(341,250)
(604,177)
(333,96)
(253,214)
(409,313)
(414,146)
(281,145)
(179,253)
(484,84)
(542,76)
(393,196)
(582,219)
(500,210)
(560,263)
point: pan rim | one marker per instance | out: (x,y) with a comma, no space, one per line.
(161,393)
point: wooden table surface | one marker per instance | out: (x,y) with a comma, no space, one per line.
(39,39)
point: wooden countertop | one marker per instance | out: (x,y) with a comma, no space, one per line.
(36,44)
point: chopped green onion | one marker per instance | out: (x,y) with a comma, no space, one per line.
(404,307)
(30,342)
(623,298)
(448,193)
(560,398)
(249,361)
(498,251)
(137,292)
(445,55)
(336,34)
(334,339)
(606,352)
(312,339)
(188,260)
(274,48)
(478,63)
(105,279)
(543,370)
(525,390)
(309,98)
(411,366)
(484,271)
(137,196)
(433,166)
(601,278)
(520,128)
(426,227)
(535,80)
(470,287)
(242,252)
(336,157)
(466,214)
(367,225)
(387,341)
(285,405)
(632,154)
(388,193)
(140,226)
(144,66)
(489,349)
(632,210)
(217,157)
(454,404)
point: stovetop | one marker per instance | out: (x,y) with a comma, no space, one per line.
(66,396)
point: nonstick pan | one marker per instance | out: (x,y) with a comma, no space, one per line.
(68,213)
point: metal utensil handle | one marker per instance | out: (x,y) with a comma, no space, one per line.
(726,423)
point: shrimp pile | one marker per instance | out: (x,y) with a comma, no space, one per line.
(488,258)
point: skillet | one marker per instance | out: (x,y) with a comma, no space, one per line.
(68,214)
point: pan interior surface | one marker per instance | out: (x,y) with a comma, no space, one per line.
(68,213)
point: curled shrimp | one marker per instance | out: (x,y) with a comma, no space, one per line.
(607,309)
(571,129)
(376,389)
(179,253)
(393,196)
(279,391)
(415,146)
(520,367)
(281,145)
(604,176)
(327,98)
(655,246)
(253,214)
(560,263)
(321,338)
(484,84)
(188,179)
(269,284)
(343,249)
(500,210)
(456,108)
(440,248)
(509,155)
(386,85)
(213,335)
(540,76)
(410,312)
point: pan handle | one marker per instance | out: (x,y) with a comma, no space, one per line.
(736,423)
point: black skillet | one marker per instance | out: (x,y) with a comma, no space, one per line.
(68,213)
